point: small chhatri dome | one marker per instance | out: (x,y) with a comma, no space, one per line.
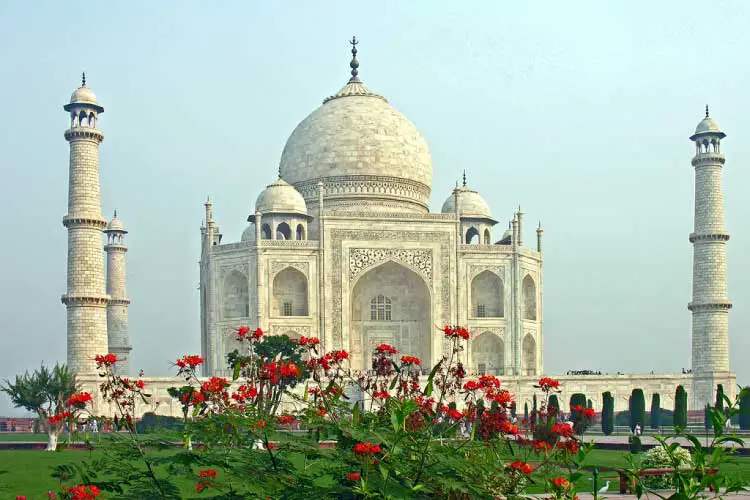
(470,203)
(280,197)
(708,126)
(249,233)
(84,96)
(115,225)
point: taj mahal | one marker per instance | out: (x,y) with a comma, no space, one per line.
(341,245)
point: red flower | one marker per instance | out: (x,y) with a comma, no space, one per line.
(189,362)
(561,483)
(455,331)
(381,395)
(286,419)
(568,445)
(471,385)
(140,384)
(385,349)
(83,492)
(522,467)
(79,400)
(20,497)
(260,424)
(577,408)
(242,332)
(59,417)
(546,383)
(272,446)
(541,446)
(51,495)
(105,360)
(289,370)
(508,428)
(410,360)
(562,430)
(207,473)
(311,341)
(589,413)
(353,476)
(366,449)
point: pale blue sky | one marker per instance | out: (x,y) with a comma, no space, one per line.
(578,111)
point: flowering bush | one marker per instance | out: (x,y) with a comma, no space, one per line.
(659,458)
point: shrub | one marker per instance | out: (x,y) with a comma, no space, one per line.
(658,458)
(680,408)
(634,443)
(553,402)
(655,416)
(578,399)
(744,420)
(608,409)
(637,409)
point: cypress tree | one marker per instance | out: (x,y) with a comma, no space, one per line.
(526,412)
(637,408)
(577,399)
(553,403)
(719,398)
(680,408)
(745,409)
(707,417)
(608,413)
(589,404)
(655,416)
(535,409)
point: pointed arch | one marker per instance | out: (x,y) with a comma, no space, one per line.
(488,354)
(487,296)
(300,232)
(265,232)
(235,297)
(283,231)
(528,290)
(289,293)
(486,240)
(472,236)
(529,355)
(82,119)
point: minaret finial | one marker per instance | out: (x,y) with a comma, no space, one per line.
(83,79)
(706,110)
(354,64)
(464,177)
(115,214)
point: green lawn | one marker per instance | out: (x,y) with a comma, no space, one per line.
(27,472)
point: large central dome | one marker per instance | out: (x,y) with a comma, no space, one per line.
(368,156)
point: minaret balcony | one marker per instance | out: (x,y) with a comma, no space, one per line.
(82,220)
(84,133)
(708,159)
(708,237)
(716,305)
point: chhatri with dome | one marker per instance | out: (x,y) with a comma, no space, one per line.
(341,245)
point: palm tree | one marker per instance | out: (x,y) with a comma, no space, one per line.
(46,393)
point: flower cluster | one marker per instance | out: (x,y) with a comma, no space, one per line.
(520,466)
(83,492)
(205,479)
(79,400)
(365,449)
(286,419)
(105,360)
(453,331)
(244,333)
(189,363)
(308,341)
(386,349)
(547,384)
(410,360)
(58,417)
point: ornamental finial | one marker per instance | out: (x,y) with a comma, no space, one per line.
(115,216)
(706,110)
(464,177)
(83,79)
(354,64)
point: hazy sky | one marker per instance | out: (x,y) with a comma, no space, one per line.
(578,111)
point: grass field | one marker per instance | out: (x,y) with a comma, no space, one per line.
(27,472)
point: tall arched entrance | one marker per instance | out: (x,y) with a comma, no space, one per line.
(390,304)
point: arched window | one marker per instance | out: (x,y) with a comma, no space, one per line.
(472,236)
(290,293)
(265,232)
(488,352)
(529,355)
(300,232)
(486,237)
(236,303)
(283,232)
(82,119)
(380,308)
(487,295)
(528,288)
(91,120)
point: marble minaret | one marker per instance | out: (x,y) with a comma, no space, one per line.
(117,309)
(86,299)
(710,305)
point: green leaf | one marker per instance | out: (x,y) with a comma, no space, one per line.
(393,383)
(428,388)
(383,471)
(236,372)
(395,421)
(355,413)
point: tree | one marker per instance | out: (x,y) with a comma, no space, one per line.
(578,399)
(535,409)
(637,408)
(655,416)
(719,398)
(526,412)
(745,409)
(47,393)
(589,404)
(553,403)
(608,413)
(680,408)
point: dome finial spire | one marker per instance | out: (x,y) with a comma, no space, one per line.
(706,110)
(83,79)
(464,177)
(115,213)
(354,64)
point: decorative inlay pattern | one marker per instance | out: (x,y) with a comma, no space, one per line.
(361,259)
(303,331)
(303,267)
(474,270)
